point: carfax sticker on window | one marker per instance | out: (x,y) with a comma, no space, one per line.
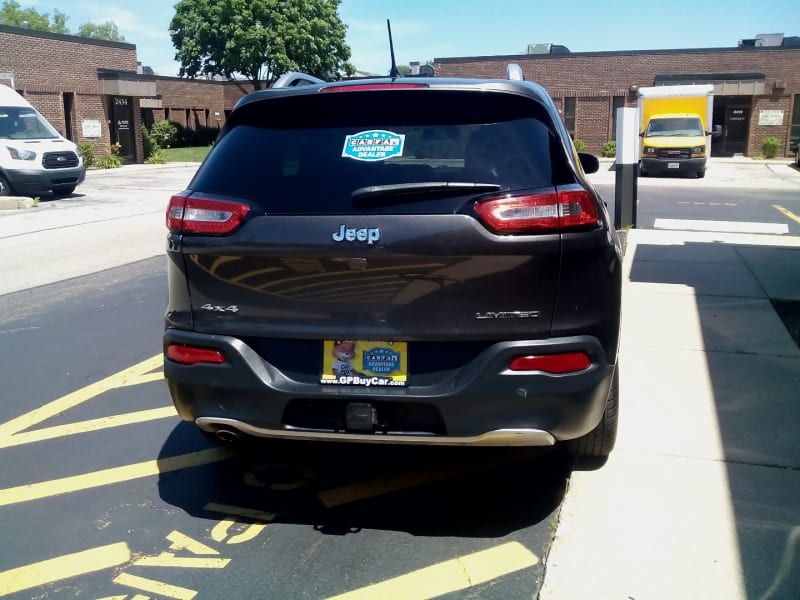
(373,145)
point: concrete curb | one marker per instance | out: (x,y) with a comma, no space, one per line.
(15,202)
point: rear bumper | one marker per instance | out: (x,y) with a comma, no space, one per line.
(29,181)
(481,403)
(684,165)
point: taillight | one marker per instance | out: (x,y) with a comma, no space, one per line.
(369,87)
(199,215)
(569,362)
(558,210)
(192,355)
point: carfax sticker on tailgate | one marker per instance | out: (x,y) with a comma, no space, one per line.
(364,363)
(373,145)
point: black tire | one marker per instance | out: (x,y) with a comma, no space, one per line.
(5,187)
(599,442)
(64,190)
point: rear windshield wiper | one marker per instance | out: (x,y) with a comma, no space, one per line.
(413,192)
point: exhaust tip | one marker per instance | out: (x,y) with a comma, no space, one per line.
(228,436)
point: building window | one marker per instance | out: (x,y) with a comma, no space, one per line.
(569,115)
(616,102)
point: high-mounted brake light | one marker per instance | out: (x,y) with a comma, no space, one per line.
(199,215)
(569,362)
(368,87)
(553,211)
(192,355)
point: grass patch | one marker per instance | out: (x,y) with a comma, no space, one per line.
(789,312)
(196,154)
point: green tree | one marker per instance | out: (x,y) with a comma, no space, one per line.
(12,14)
(259,40)
(104,31)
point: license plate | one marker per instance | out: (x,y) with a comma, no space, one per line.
(364,363)
(673,165)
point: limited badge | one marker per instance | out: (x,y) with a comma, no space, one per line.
(373,145)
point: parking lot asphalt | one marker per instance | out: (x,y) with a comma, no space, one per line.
(701,498)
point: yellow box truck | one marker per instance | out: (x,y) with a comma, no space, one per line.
(675,128)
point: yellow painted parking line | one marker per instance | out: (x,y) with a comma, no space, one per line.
(77,397)
(449,576)
(168,559)
(146,378)
(401,481)
(182,541)
(49,433)
(786,212)
(63,567)
(56,487)
(159,588)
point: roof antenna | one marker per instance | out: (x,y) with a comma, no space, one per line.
(394,73)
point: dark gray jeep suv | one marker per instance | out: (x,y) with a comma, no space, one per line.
(400,261)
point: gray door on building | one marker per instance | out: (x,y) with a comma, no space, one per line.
(121,111)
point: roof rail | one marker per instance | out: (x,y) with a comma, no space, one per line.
(294,79)
(514,72)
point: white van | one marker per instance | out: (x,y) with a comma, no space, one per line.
(34,157)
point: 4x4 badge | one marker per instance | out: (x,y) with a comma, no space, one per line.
(365,234)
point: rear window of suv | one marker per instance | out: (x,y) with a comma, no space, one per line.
(309,153)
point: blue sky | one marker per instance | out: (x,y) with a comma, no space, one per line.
(428,29)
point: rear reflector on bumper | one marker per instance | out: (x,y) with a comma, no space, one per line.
(570,362)
(192,355)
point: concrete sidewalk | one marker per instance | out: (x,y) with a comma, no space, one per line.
(701,498)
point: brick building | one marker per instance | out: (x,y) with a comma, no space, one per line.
(95,91)
(756,88)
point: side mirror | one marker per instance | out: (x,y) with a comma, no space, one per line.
(716,132)
(641,134)
(589,162)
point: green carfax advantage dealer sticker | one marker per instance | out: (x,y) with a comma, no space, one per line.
(373,145)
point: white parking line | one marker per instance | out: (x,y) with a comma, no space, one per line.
(722,226)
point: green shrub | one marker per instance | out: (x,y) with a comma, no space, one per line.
(770,146)
(164,133)
(149,142)
(86,150)
(580,145)
(112,160)
(157,157)
(109,161)
(610,149)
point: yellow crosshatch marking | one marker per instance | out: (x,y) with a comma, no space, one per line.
(63,567)
(786,212)
(56,487)
(450,576)
(159,588)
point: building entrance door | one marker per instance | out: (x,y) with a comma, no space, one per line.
(121,111)
(733,113)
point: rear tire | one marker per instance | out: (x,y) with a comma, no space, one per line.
(5,187)
(599,442)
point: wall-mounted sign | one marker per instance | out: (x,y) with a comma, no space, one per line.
(770,117)
(91,128)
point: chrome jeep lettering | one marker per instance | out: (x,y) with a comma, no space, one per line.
(508,314)
(369,235)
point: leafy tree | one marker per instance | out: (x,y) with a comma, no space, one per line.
(104,31)
(259,40)
(11,13)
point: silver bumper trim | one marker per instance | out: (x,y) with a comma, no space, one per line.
(499,437)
